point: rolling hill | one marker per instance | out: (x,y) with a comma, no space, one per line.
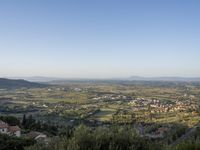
(13,84)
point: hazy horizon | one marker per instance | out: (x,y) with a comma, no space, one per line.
(149,78)
(99,39)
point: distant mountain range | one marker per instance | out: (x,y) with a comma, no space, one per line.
(40,79)
(12,84)
(189,79)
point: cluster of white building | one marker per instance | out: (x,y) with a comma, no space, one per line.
(158,106)
(111,97)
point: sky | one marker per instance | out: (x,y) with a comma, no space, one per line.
(99,38)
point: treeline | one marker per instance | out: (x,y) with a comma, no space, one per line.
(14,143)
(13,121)
(88,138)
(190,144)
(113,138)
(29,123)
(17,109)
(85,138)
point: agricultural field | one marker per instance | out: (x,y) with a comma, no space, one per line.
(154,110)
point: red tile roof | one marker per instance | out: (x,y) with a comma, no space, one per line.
(14,129)
(3,125)
(11,129)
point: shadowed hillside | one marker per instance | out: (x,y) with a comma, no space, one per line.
(12,84)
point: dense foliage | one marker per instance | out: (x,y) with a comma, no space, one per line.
(11,120)
(84,138)
(29,123)
(190,144)
(14,143)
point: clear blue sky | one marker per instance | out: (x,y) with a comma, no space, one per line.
(99,38)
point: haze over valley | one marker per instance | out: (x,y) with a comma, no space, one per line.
(99,75)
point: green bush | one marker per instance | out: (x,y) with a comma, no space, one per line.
(14,143)
(84,138)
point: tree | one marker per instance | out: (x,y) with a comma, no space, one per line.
(11,120)
(24,120)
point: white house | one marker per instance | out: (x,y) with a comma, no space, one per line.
(15,130)
(9,130)
(3,127)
